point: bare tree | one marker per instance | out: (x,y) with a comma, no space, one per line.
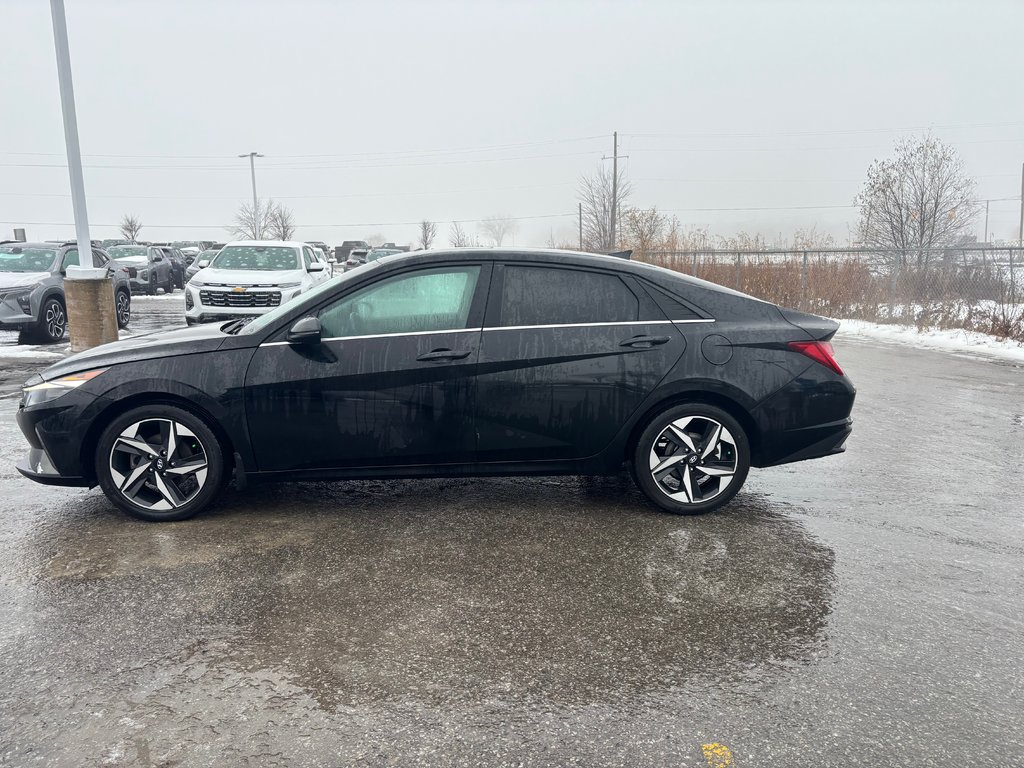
(644,228)
(917,200)
(376,240)
(458,237)
(428,231)
(253,223)
(497,228)
(130,227)
(280,222)
(595,193)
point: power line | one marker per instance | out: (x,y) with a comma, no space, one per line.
(382,153)
(837,132)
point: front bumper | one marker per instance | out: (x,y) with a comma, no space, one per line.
(12,316)
(36,465)
(55,432)
(218,308)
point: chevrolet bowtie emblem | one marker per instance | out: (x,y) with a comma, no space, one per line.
(238,289)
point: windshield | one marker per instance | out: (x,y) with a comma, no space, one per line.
(128,252)
(328,286)
(16,258)
(208,255)
(257,257)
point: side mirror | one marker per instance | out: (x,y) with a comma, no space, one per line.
(305,331)
(204,263)
(316,266)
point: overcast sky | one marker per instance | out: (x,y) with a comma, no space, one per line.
(373,115)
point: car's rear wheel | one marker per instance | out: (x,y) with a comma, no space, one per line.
(51,326)
(159,463)
(691,459)
(123,308)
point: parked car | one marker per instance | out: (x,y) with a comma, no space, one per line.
(250,277)
(32,289)
(377,253)
(317,244)
(199,262)
(450,363)
(178,265)
(341,252)
(148,267)
(356,258)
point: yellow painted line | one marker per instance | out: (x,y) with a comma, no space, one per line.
(717,755)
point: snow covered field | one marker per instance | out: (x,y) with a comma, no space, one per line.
(949,340)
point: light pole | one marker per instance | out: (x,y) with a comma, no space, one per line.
(88,291)
(255,201)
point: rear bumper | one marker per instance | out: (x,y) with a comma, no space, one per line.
(807,419)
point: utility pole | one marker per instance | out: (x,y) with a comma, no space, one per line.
(615,186)
(985,239)
(255,201)
(581,225)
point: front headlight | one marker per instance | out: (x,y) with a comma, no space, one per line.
(51,390)
(289,285)
(196,283)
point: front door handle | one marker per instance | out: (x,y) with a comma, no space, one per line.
(440,355)
(645,342)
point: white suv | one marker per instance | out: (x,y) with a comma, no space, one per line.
(250,277)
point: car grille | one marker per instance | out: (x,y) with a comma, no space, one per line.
(247,299)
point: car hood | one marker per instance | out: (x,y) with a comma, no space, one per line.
(10,280)
(248,276)
(182,341)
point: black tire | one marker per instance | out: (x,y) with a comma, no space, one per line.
(150,286)
(51,325)
(169,285)
(123,308)
(160,487)
(685,455)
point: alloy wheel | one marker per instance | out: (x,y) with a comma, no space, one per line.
(158,464)
(124,309)
(56,321)
(694,459)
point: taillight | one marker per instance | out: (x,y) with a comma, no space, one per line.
(819,351)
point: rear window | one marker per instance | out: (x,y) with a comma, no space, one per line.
(549,296)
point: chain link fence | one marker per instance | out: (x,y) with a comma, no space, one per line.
(973,288)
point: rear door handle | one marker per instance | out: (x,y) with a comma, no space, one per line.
(440,355)
(645,342)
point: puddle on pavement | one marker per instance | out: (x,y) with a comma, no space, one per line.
(563,591)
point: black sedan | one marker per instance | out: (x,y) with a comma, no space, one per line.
(485,362)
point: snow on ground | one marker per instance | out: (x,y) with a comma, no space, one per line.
(949,340)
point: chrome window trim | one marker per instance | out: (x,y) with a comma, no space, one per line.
(496,328)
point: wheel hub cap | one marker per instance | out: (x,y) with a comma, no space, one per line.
(694,459)
(158,464)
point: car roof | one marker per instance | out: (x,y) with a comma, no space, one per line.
(35,244)
(554,256)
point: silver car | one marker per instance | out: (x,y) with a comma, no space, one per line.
(149,267)
(32,289)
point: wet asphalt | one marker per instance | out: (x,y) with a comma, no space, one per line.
(863,609)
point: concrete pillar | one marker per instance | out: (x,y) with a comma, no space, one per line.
(91,310)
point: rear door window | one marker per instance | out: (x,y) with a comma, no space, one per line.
(552,296)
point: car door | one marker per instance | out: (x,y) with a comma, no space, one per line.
(567,355)
(391,384)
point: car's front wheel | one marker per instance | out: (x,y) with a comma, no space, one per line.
(691,459)
(51,326)
(159,463)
